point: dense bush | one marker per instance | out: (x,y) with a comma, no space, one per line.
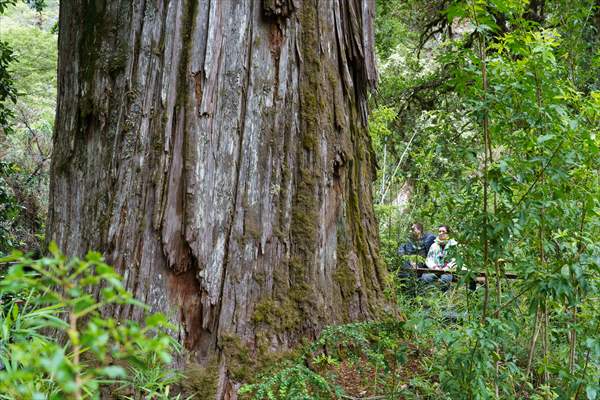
(28,62)
(58,340)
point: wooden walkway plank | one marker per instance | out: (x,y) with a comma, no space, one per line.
(439,272)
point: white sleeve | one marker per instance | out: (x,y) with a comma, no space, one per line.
(430,262)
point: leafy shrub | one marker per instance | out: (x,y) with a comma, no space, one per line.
(297,382)
(372,347)
(9,208)
(57,339)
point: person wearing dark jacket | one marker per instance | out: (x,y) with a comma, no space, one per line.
(418,244)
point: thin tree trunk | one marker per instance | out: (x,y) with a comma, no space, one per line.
(536,331)
(486,146)
(217,153)
(383,173)
(545,343)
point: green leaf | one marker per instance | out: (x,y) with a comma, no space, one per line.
(113,371)
(165,357)
(53,248)
(54,362)
(455,10)
(155,320)
(545,138)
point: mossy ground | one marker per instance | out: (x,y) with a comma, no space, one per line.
(201,381)
(246,362)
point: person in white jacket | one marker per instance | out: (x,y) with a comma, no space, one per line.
(437,256)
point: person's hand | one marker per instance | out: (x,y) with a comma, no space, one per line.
(450,265)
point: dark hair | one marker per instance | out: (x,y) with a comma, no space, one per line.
(418,225)
(445,226)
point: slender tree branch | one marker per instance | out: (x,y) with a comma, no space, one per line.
(393,175)
(585,367)
(536,331)
(539,176)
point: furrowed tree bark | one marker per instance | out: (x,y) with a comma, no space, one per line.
(217,153)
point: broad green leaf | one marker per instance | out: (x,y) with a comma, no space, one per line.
(113,371)
(545,138)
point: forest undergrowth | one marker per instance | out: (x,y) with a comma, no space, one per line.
(436,348)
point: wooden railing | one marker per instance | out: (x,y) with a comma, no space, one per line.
(438,272)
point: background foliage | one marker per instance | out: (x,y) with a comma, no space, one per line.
(28,59)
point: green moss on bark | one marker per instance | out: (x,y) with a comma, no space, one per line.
(280,316)
(305,207)
(238,357)
(245,361)
(291,306)
(202,381)
(343,275)
(305,214)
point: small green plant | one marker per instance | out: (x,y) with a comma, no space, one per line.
(375,349)
(325,360)
(58,341)
(297,382)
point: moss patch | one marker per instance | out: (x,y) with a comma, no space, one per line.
(202,381)
(245,362)
(343,276)
(305,206)
(238,356)
(280,316)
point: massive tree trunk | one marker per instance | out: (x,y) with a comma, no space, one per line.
(217,153)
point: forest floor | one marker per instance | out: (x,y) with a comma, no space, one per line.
(359,380)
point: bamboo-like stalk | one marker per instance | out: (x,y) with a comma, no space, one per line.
(74,335)
(496,387)
(573,332)
(486,148)
(383,172)
(542,233)
(585,367)
(572,341)
(545,343)
(536,331)
(498,288)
